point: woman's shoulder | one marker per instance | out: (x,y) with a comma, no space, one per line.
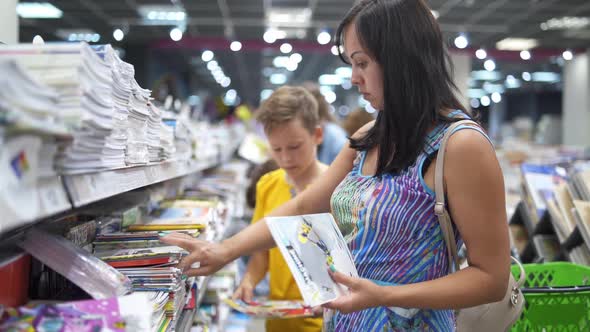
(363,130)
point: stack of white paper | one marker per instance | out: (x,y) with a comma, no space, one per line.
(84,83)
(137,143)
(154,132)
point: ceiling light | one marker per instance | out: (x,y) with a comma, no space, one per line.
(344,72)
(38,10)
(161,14)
(264,94)
(526,76)
(512,82)
(567,55)
(281,61)
(118,34)
(235,46)
(516,44)
(485,101)
(286,48)
(484,75)
(481,54)
(324,38)
(334,50)
(176,34)
(75,35)
(525,55)
(292,66)
(330,96)
(38,40)
(475,93)
(565,23)
(329,79)
(212,65)
(548,77)
(496,97)
(294,17)
(489,65)
(474,103)
(230,97)
(461,42)
(270,36)
(225,82)
(278,79)
(296,57)
(207,56)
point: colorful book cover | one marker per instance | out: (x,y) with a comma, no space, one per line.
(126,313)
(305,242)
(271,309)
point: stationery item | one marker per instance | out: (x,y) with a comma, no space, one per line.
(271,309)
(312,244)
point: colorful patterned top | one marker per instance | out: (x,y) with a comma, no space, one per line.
(394,236)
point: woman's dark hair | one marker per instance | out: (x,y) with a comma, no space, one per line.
(404,38)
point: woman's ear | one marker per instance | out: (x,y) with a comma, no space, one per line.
(318,135)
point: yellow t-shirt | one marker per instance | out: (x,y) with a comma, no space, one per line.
(272,190)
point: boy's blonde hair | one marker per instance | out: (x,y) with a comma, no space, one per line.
(287,103)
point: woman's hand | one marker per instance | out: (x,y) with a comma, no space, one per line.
(363,294)
(209,257)
(245,290)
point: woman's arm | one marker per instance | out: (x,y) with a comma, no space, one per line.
(475,192)
(314,199)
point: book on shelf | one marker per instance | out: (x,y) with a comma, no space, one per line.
(547,247)
(539,182)
(312,244)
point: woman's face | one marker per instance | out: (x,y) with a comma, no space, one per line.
(293,147)
(366,72)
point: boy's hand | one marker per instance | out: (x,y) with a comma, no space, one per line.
(245,290)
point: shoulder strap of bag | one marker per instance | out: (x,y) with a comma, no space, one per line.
(440,208)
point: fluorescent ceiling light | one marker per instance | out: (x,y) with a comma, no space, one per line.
(512,82)
(264,94)
(278,79)
(566,23)
(161,14)
(281,61)
(176,34)
(484,75)
(76,35)
(496,97)
(344,72)
(525,55)
(271,35)
(288,17)
(474,102)
(235,46)
(38,10)
(286,48)
(324,38)
(329,79)
(118,34)
(516,44)
(207,56)
(475,93)
(526,76)
(296,57)
(543,76)
(485,101)
(334,50)
(567,55)
(461,42)
(491,88)
(330,96)
(489,65)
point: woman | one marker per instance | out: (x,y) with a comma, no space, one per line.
(379,188)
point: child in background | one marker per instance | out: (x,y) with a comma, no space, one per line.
(292,126)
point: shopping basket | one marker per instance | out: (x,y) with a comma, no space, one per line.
(557,298)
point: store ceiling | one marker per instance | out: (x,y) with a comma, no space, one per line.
(212,24)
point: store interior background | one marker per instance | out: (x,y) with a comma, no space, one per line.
(531,70)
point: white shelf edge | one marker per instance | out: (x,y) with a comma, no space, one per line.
(91,187)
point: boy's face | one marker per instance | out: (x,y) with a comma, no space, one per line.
(293,147)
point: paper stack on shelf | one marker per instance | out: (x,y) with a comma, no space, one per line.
(154,132)
(84,83)
(26,104)
(137,131)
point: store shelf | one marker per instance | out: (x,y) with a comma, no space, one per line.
(47,197)
(92,187)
